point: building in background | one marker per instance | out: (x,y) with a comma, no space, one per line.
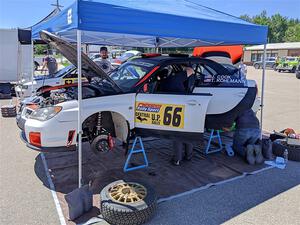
(255,53)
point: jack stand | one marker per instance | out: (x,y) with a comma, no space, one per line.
(211,137)
(135,151)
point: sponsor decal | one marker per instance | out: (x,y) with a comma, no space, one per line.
(69,16)
(73,80)
(160,114)
(227,79)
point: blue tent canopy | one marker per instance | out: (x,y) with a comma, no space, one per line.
(151,23)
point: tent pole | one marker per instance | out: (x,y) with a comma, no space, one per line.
(79,128)
(32,65)
(263,87)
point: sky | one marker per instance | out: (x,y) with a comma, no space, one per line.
(24,13)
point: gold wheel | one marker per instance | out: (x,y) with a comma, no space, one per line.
(128,192)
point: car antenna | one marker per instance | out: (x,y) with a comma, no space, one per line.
(57,5)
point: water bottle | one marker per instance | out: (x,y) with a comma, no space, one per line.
(286,156)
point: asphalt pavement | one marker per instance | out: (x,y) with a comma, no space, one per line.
(281,99)
(23,198)
(269,197)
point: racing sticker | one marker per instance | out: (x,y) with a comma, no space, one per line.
(159,114)
(73,80)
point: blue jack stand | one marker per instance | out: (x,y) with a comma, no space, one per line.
(135,151)
(211,137)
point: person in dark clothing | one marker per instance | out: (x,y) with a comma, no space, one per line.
(246,136)
(175,84)
(51,64)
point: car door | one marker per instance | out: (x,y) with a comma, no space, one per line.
(162,113)
(227,92)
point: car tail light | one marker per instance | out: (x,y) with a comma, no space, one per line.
(70,137)
(35,138)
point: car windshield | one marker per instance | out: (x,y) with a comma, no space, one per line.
(130,73)
(125,56)
(63,71)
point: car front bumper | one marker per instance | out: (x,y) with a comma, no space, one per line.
(46,149)
(53,135)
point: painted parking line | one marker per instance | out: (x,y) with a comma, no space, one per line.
(53,192)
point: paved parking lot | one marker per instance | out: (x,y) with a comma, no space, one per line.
(270,197)
(282,99)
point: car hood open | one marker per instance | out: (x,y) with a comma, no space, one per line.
(70,52)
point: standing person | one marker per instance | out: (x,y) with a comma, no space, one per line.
(50,63)
(176,84)
(246,136)
(243,67)
(103,61)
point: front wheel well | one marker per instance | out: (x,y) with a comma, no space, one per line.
(108,122)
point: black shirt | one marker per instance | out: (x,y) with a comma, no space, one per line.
(175,84)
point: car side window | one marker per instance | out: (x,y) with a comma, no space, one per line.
(207,76)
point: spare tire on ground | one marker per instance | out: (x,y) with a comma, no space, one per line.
(127,203)
(8,111)
(280,145)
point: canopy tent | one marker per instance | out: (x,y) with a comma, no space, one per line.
(155,23)
(147,23)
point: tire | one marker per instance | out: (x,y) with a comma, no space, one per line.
(8,111)
(100,144)
(278,148)
(134,213)
(256,66)
(298,75)
(293,69)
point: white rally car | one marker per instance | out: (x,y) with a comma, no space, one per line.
(67,75)
(130,101)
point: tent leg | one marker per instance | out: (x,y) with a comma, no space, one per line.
(263,87)
(32,65)
(79,128)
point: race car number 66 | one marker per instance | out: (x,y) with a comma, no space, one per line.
(172,116)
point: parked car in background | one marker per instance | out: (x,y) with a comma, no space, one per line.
(125,56)
(289,64)
(298,72)
(270,63)
(67,75)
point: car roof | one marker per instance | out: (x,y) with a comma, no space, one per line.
(167,60)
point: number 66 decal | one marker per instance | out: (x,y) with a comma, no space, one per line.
(173,116)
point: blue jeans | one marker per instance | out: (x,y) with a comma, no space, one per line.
(243,137)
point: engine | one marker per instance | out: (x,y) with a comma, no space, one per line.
(58,96)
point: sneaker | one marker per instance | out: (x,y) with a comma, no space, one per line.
(250,154)
(259,159)
(176,162)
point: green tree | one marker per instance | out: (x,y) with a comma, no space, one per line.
(277,27)
(40,49)
(292,34)
(280,28)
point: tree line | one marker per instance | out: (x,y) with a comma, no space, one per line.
(281,29)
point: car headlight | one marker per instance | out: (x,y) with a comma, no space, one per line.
(46,113)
